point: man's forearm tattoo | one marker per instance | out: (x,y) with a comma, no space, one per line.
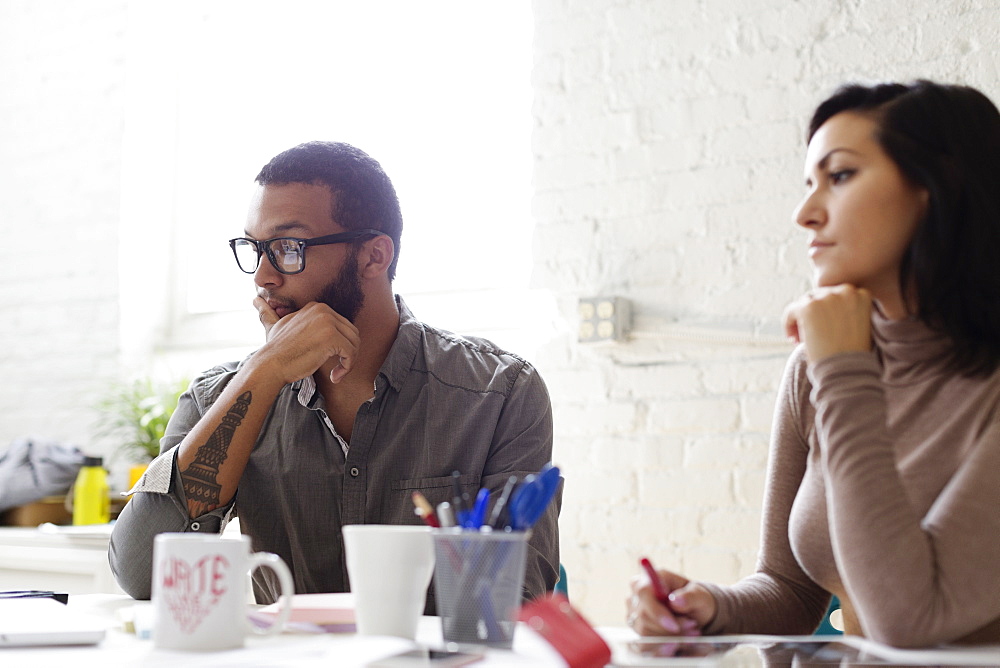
(200,485)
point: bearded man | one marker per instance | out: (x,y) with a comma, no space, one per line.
(349,406)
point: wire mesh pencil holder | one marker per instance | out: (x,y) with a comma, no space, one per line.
(478,582)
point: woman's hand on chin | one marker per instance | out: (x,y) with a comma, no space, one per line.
(831,320)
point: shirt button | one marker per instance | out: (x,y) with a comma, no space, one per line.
(195,526)
(355,471)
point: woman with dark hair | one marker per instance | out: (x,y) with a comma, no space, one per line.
(883,484)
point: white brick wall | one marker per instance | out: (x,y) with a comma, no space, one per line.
(61,119)
(668,151)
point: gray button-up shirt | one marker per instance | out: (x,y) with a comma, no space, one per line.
(441,403)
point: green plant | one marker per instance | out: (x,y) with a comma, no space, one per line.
(135,415)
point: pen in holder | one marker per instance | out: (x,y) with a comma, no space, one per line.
(478,582)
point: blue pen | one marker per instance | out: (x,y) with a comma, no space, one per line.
(548,483)
(459,501)
(531,499)
(522,496)
(488,615)
(478,515)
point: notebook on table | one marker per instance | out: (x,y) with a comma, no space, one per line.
(313,613)
(25,622)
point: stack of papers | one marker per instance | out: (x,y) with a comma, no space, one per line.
(314,613)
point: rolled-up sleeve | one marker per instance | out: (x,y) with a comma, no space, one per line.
(158,505)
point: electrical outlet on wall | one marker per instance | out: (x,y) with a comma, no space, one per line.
(603,319)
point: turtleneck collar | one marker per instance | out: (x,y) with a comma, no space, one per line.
(908,350)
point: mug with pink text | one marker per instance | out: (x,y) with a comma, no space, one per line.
(201,588)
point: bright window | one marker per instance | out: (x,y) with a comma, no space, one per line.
(439,93)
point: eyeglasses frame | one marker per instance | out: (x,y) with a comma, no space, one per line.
(264,247)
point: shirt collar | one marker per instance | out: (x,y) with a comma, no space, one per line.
(908,349)
(399,361)
(306,390)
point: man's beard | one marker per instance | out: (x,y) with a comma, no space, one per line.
(344,294)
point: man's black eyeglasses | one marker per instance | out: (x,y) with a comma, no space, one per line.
(287,254)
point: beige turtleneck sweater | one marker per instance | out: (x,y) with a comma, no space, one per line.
(884,489)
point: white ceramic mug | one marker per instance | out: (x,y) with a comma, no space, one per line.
(390,567)
(200,591)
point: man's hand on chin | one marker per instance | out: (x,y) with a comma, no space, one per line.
(302,341)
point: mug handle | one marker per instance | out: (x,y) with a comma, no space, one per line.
(274,562)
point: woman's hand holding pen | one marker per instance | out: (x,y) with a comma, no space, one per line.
(831,320)
(683,607)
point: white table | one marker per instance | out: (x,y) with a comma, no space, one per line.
(350,650)
(342,650)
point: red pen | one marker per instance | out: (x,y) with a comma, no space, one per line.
(687,626)
(658,590)
(425,510)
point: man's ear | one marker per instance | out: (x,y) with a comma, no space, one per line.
(376,256)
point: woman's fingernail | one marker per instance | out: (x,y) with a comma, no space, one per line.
(677,599)
(688,624)
(670,624)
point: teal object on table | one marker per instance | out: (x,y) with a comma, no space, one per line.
(561,585)
(825,627)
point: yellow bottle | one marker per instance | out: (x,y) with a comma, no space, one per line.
(91,499)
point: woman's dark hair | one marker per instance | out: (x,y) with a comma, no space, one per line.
(363,195)
(945,139)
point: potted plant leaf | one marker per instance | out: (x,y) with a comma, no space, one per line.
(134,415)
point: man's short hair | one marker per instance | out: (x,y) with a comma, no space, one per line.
(362,194)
